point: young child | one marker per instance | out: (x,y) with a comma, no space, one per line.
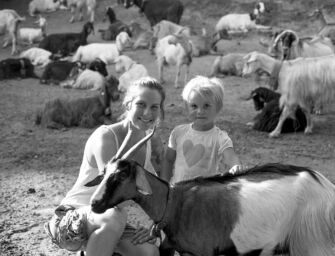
(74,226)
(196,149)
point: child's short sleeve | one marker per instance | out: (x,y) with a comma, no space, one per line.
(224,141)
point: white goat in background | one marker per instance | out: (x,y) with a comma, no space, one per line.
(301,82)
(237,23)
(33,35)
(174,50)
(9,20)
(78,5)
(107,52)
(131,71)
(37,56)
(39,6)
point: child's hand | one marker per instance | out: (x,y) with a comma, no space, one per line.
(238,168)
(142,235)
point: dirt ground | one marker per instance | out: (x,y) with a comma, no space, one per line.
(38,166)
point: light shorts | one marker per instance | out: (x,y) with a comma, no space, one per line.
(70,228)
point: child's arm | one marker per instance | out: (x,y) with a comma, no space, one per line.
(232,160)
(168,162)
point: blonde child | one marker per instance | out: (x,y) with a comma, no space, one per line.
(195,149)
(74,226)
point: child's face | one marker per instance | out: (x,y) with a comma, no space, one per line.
(145,108)
(202,111)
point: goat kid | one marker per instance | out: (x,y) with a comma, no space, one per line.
(33,35)
(37,56)
(228,65)
(268,209)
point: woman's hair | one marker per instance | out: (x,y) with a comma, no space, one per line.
(206,87)
(144,82)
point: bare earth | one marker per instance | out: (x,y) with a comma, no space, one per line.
(38,166)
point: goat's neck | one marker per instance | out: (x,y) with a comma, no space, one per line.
(269,64)
(155,205)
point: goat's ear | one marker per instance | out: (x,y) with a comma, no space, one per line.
(142,184)
(95,182)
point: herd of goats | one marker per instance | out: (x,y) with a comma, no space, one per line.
(299,70)
(267,210)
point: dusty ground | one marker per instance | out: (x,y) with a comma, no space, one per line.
(38,166)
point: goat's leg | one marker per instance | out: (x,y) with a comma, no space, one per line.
(160,69)
(73,13)
(13,44)
(187,74)
(285,113)
(176,84)
(309,125)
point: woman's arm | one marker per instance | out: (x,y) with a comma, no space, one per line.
(168,163)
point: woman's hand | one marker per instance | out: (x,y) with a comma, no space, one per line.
(142,235)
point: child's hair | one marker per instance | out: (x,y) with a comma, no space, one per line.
(144,82)
(206,87)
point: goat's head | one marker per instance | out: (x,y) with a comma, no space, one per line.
(122,41)
(110,14)
(88,28)
(99,66)
(287,39)
(122,179)
(257,97)
(250,63)
(111,90)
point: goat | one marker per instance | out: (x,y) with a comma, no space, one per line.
(165,28)
(60,70)
(66,43)
(33,35)
(294,47)
(267,101)
(141,37)
(115,27)
(16,68)
(157,10)
(78,5)
(83,112)
(37,56)
(9,21)
(131,71)
(301,82)
(39,6)
(106,52)
(228,65)
(92,78)
(267,209)
(174,50)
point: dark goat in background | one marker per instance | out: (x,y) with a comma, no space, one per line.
(66,43)
(115,27)
(16,68)
(157,10)
(83,112)
(267,101)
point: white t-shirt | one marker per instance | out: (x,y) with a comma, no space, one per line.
(198,153)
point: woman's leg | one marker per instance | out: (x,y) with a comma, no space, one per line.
(105,231)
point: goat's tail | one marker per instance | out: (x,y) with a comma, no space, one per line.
(312,230)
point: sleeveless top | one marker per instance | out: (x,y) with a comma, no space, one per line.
(79,195)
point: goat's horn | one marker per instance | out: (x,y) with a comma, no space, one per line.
(124,143)
(139,144)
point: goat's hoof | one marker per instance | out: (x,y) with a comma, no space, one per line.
(274,135)
(308,130)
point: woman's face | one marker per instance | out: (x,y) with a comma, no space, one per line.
(145,109)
